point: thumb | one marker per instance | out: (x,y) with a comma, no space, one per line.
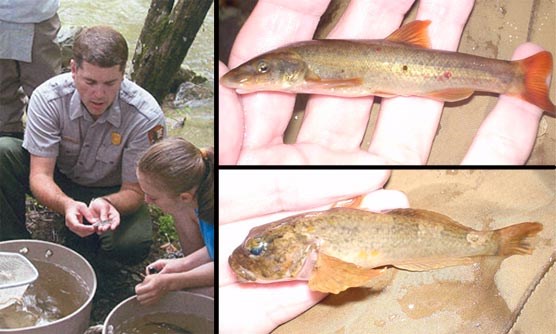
(251,193)
(231,135)
(88,214)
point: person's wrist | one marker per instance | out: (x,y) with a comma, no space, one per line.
(106,199)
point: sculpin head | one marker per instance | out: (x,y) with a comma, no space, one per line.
(278,70)
(273,252)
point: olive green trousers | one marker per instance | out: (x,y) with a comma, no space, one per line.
(129,243)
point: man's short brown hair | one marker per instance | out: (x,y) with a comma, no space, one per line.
(101,46)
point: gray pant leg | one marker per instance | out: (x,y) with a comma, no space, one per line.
(46,63)
(14,184)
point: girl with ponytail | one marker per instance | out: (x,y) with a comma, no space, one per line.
(178,177)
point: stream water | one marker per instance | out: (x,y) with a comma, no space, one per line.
(128,18)
(54,295)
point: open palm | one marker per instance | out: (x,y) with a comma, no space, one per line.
(249,198)
(253,125)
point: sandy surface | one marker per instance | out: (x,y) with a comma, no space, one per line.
(486,297)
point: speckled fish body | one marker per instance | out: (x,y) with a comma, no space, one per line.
(402,64)
(352,240)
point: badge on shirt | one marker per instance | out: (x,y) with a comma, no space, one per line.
(116,138)
(156,134)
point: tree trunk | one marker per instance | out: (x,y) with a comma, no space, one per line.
(167,34)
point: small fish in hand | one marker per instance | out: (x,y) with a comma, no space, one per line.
(344,247)
(102,223)
(402,64)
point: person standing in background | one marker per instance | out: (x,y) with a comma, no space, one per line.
(29,55)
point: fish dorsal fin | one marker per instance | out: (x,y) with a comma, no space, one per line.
(334,275)
(413,33)
(434,263)
(428,215)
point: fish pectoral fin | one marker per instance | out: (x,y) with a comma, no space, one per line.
(334,275)
(414,33)
(384,94)
(314,81)
(430,264)
(451,94)
(381,281)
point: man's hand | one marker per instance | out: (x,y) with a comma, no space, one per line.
(75,212)
(105,212)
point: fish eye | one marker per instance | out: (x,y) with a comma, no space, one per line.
(257,247)
(262,67)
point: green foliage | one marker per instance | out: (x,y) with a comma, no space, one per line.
(166,227)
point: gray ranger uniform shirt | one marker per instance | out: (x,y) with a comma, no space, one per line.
(99,153)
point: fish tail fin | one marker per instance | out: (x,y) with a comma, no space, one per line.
(537,69)
(516,239)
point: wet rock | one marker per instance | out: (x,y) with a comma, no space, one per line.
(193,95)
(176,123)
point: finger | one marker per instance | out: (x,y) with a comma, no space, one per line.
(384,200)
(270,25)
(508,134)
(406,126)
(114,216)
(340,123)
(79,228)
(87,213)
(265,307)
(160,267)
(139,290)
(230,113)
(307,154)
(248,193)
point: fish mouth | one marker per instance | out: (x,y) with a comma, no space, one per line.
(235,79)
(242,274)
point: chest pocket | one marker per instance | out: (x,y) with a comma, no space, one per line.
(69,150)
(109,154)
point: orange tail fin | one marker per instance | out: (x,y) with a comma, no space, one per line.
(537,69)
(516,239)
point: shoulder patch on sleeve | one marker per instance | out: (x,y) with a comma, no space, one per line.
(155,134)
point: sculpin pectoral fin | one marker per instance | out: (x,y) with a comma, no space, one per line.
(334,275)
